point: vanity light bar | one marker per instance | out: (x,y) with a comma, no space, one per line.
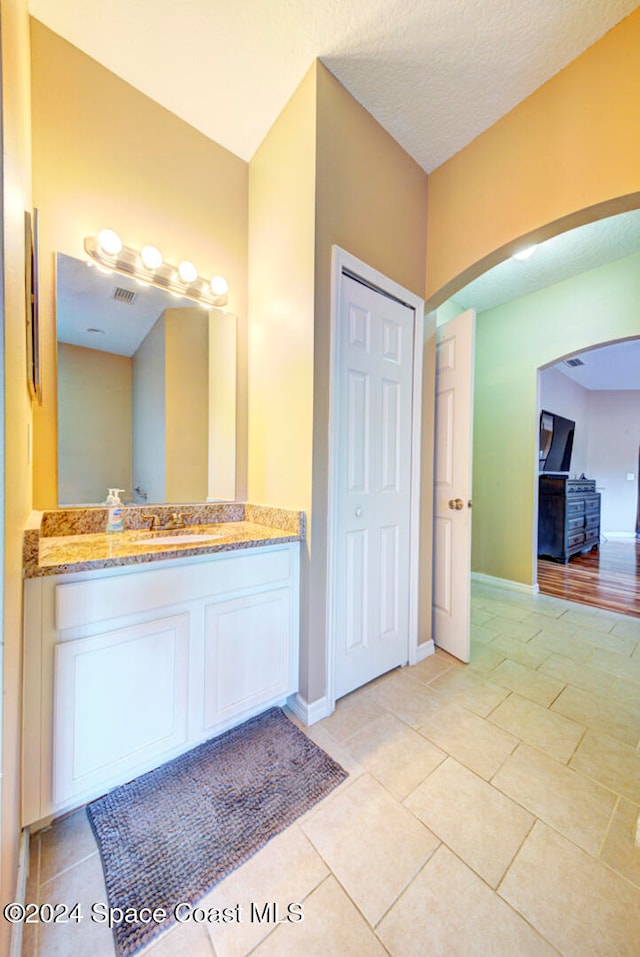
(129,262)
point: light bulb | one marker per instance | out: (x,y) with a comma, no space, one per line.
(187,271)
(151,257)
(218,285)
(524,253)
(109,242)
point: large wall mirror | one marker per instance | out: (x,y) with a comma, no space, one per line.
(146,392)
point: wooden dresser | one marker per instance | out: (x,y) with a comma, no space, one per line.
(568,516)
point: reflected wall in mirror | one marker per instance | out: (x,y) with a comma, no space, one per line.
(146,392)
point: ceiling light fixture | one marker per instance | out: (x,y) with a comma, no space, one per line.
(525,252)
(148,267)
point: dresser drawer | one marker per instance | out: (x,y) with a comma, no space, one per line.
(592,521)
(575,537)
(574,523)
(575,506)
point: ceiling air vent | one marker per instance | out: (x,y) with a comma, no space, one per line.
(124,295)
(574,363)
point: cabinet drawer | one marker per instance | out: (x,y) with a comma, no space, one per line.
(575,538)
(575,522)
(101,599)
(592,521)
(575,507)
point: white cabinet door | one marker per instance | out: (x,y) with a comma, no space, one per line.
(247,655)
(120,701)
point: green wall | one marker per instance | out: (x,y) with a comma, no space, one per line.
(512,342)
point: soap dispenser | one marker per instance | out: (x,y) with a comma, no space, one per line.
(115,519)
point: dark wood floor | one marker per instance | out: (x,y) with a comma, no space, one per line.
(607,577)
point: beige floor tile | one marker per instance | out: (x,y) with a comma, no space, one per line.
(520,651)
(599,713)
(286,870)
(470,739)
(527,682)
(436,664)
(583,615)
(609,762)
(566,645)
(484,659)
(574,901)
(622,666)
(480,634)
(627,627)
(509,627)
(479,616)
(185,940)
(579,675)
(620,850)
(70,841)
(82,884)
(551,625)
(396,755)
(405,697)
(447,911)
(512,609)
(470,691)
(352,713)
(477,822)
(627,692)
(606,640)
(543,729)
(372,844)
(578,808)
(332,927)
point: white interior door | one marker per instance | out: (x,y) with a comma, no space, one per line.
(373,382)
(452,487)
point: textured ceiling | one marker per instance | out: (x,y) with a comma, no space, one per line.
(612,367)
(561,257)
(434,73)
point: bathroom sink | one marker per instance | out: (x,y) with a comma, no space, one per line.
(179,538)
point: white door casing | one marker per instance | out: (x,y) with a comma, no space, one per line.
(452,485)
(376,376)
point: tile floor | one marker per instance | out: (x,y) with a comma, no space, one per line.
(491,810)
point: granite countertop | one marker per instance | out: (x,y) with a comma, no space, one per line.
(73,540)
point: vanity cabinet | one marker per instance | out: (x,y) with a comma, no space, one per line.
(127,667)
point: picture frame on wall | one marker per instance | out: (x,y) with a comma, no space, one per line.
(32,305)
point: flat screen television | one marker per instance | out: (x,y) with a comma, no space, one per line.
(556,442)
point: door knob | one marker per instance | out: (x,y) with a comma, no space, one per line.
(358,512)
(456,503)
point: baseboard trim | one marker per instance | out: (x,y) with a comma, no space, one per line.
(15,948)
(309,713)
(504,583)
(424,650)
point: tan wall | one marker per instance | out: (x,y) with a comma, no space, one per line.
(567,154)
(512,342)
(187,404)
(281,318)
(371,199)
(94,440)
(16,198)
(105,155)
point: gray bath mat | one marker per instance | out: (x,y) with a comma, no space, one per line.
(169,836)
